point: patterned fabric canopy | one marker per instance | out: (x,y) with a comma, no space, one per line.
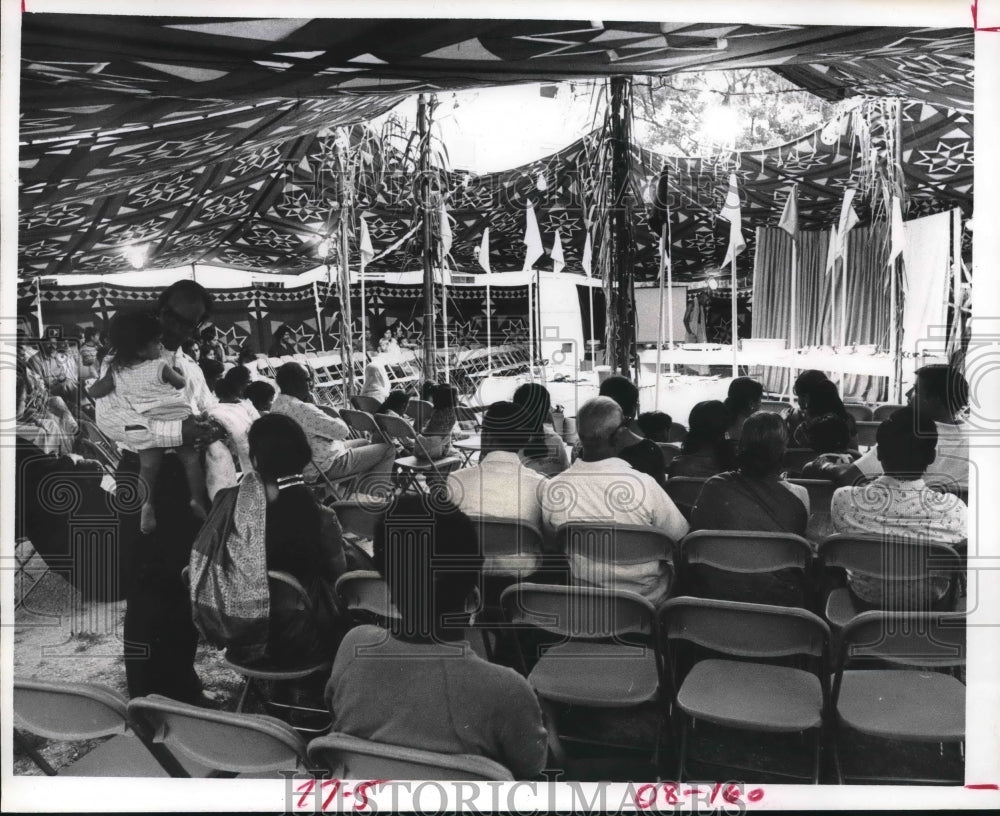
(204,140)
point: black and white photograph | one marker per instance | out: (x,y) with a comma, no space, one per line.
(527,409)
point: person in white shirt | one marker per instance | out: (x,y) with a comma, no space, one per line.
(500,486)
(940,394)
(334,454)
(899,504)
(603,489)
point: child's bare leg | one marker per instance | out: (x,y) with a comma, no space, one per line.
(149,468)
(191,460)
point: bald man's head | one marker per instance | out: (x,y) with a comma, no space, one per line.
(598,422)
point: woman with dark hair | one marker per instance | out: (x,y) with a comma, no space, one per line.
(706,451)
(283,342)
(544,452)
(395,404)
(754,497)
(434,439)
(301,537)
(210,345)
(742,400)
(824,403)
(804,386)
(236,415)
(433,691)
(642,454)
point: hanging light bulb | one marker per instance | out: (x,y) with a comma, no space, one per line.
(136,255)
(323,248)
(713,284)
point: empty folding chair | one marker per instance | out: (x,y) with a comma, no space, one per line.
(364,595)
(607,655)
(912,701)
(737,565)
(348,757)
(883,412)
(81,711)
(743,694)
(412,467)
(684,492)
(229,744)
(286,593)
(365,403)
(908,574)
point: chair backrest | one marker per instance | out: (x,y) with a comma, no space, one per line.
(744,629)
(500,536)
(365,403)
(919,639)
(287,593)
(861,413)
(677,433)
(670,451)
(69,711)
(897,561)
(365,594)
(866,433)
(586,613)
(797,458)
(820,494)
(883,412)
(419,411)
(395,427)
(774,406)
(463,413)
(349,757)
(360,517)
(616,543)
(684,492)
(361,423)
(746,551)
(237,743)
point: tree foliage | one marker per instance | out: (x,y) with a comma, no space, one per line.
(686,114)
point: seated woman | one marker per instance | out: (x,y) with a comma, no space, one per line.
(42,419)
(706,451)
(642,454)
(803,388)
(742,400)
(754,497)
(545,452)
(420,685)
(655,425)
(261,395)
(434,439)
(824,401)
(301,537)
(394,405)
(236,415)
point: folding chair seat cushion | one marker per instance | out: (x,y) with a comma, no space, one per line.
(120,756)
(596,674)
(905,705)
(755,696)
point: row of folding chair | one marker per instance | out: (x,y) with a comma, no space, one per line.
(155,736)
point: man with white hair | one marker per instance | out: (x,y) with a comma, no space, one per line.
(602,489)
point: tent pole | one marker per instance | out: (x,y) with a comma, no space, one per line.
(489,330)
(593,340)
(670,297)
(894,380)
(531,326)
(346,320)
(444,321)
(38,305)
(364,309)
(423,129)
(793,328)
(843,310)
(734,334)
(319,316)
(620,279)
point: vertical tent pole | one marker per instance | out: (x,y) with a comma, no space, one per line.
(843,308)
(364,310)
(794,333)
(489,329)
(593,340)
(894,380)
(38,305)
(732,314)
(444,321)
(319,316)
(346,319)
(423,129)
(670,296)
(531,326)
(659,331)
(956,276)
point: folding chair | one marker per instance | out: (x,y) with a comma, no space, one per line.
(820,493)
(229,744)
(883,412)
(596,551)
(79,711)
(358,517)
(349,757)
(286,593)
(364,595)
(866,433)
(608,656)
(684,492)
(911,703)
(677,433)
(756,567)
(361,423)
(670,451)
(419,411)
(903,568)
(365,403)
(464,413)
(94,443)
(744,695)
(412,467)
(861,413)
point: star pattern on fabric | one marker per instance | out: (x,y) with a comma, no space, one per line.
(413,331)
(947,159)
(270,238)
(160,192)
(516,331)
(462,334)
(62,215)
(256,160)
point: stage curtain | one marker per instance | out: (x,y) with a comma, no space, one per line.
(927,270)
(817,324)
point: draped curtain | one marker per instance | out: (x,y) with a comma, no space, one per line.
(816,324)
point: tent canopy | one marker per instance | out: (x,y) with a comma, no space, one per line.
(202,138)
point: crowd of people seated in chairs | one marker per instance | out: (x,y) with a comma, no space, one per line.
(402,560)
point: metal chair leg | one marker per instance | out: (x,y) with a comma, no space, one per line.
(21,745)
(244,695)
(683,749)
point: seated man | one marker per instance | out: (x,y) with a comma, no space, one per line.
(420,685)
(601,488)
(332,452)
(500,485)
(939,395)
(899,503)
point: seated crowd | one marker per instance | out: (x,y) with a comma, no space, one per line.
(267,446)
